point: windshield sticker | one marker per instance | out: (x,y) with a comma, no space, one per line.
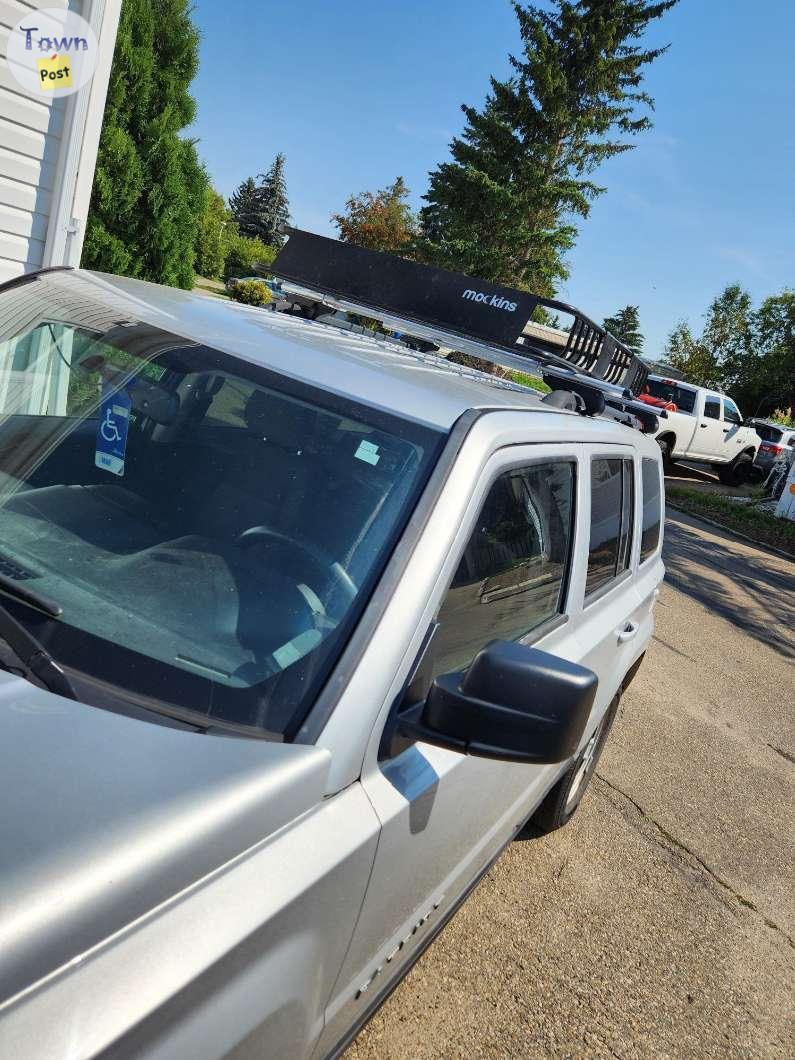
(296,648)
(114,423)
(368,452)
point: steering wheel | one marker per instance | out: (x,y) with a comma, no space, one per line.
(321,561)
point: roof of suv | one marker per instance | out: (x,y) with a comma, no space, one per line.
(424,387)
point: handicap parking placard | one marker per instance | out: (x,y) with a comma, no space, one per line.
(114,423)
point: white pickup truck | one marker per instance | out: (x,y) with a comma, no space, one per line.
(702,426)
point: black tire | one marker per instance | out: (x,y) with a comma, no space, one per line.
(737,472)
(665,449)
(560,806)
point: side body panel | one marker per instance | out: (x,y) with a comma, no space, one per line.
(738,437)
(683,427)
(711,433)
(241,964)
(444,815)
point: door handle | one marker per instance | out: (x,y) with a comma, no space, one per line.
(702,425)
(726,430)
(628,632)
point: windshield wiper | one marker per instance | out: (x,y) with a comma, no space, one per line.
(35,660)
(29,596)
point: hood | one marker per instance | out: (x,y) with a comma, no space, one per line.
(104,817)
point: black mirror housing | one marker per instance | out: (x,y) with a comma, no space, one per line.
(514,702)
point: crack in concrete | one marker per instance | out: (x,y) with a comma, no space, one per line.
(673,841)
(670,647)
(784,754)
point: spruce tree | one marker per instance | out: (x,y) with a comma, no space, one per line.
(245,208)
(274,207)
(149,186)
(625,326)
(520,173)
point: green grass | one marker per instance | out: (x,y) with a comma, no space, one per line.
(211,287)
(746,519)
(530,380)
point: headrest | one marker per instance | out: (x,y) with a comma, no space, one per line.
(282,421)
(156,402)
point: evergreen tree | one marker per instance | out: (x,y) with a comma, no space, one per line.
(245,208)
(502,208)
(274,207)
(216,229)
(149,186)
(625,326)
(380,221)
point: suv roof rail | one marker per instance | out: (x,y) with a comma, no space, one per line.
(29,277)
(483,319)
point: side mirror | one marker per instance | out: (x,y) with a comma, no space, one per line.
(514,702)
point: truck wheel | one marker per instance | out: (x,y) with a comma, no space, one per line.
(737,472)
(564,799)
(665,449)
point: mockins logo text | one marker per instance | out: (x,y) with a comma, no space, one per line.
(494,300)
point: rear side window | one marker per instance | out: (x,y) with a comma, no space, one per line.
(666,390)
(712,408)
(611,521)
(652,508)
(512,575)
(768,433)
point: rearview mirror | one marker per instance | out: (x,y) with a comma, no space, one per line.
(514,702)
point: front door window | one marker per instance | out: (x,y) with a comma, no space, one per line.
(512,575)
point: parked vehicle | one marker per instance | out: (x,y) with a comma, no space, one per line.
(785,509)
(704,427)
(298,629)
(775,439)
(273,286)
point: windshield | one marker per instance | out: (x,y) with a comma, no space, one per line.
(768,433)
(211,530)
(666,390)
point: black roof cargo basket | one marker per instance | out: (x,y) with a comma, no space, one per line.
(456,311)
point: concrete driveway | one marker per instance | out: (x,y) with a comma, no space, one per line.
(661,920)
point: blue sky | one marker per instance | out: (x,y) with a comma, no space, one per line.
(355,93)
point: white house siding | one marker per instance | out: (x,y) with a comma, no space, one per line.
(48,149)
(31,133)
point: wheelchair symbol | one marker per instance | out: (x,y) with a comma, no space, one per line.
(108,429)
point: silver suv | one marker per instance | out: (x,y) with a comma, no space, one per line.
(776,438)
(298,629)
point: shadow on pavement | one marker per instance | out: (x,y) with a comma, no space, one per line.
(750,588)
(704,479)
